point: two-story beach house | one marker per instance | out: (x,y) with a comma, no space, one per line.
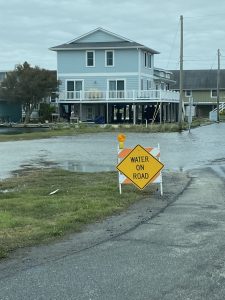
(107,78)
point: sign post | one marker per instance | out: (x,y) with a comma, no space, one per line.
(190,114)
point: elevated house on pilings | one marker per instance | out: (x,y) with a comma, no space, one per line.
(106,78)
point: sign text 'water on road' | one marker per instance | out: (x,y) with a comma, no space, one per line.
(140,166)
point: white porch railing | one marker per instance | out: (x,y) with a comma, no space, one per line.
(213,113)
(127,95)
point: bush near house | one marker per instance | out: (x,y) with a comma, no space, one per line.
(45,112)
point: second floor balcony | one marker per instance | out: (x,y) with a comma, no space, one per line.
(119,96)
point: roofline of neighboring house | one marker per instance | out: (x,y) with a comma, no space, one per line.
(163,79)
(163,70)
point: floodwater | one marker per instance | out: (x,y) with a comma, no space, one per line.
(98,152)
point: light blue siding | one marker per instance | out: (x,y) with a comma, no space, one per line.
(72,65)
(99,36)
(144,69)
(125,60)
(101,82)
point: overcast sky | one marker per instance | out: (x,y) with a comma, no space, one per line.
(29,28)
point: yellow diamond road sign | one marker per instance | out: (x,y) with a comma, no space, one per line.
(140,166)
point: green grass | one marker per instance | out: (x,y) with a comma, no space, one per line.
(66,129)
(29,215)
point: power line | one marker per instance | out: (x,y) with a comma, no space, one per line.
(172,45)
(204,16)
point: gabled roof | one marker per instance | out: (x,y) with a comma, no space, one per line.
(109,33)
(117,42)
(199,79)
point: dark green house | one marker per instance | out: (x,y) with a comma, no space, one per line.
(9,112)
(201,85)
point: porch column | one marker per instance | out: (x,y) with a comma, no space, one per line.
(160,112)
(177,112)
(130,113)
(143,114)
(107,113)
(124,113)
(112,113)
(137,113)
(164,113)
(69,112)
(134,114)
(81,112)
(171,112)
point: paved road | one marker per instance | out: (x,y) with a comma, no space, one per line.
(176,253)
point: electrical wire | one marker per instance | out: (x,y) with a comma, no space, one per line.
(172,46)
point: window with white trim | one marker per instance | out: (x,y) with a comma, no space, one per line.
(213,93)
(109,58)
(74,88)
(142,84)
(145,59)
(90,58)
(149,61)
(149,84)
(188,93)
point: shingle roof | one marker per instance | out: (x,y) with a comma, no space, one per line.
(102,45)
(199,79)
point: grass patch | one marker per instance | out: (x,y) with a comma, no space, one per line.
(66,129)
(29,215)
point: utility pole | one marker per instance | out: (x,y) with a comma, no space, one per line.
(218,87)
(181,75)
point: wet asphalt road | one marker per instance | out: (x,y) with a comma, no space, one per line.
(177,252)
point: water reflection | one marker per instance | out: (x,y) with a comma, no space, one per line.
(82,167)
